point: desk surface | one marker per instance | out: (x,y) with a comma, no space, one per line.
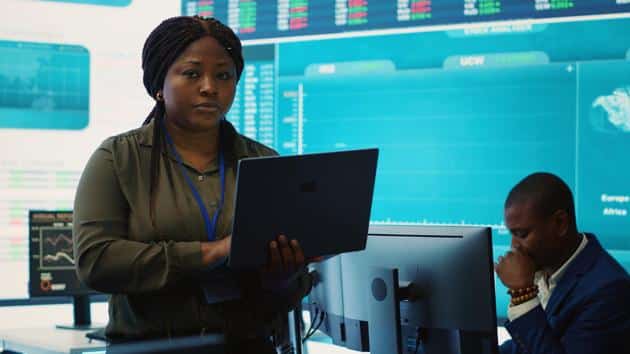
(321,343)
(49,340)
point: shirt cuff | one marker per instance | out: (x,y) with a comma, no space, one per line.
(186,255)
(221,262)
(517,311)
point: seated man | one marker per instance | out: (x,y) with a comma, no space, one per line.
(568,295)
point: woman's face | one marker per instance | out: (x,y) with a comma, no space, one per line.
(199,86)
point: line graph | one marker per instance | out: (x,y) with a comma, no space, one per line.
(61,238)
(60,256)
(56,248)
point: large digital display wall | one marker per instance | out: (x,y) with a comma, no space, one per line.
(461,115)
(463,99)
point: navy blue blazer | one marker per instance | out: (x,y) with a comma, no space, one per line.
(588,312)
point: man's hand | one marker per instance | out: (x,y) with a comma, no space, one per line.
(515,269)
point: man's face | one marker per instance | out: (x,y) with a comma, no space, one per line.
(533,234)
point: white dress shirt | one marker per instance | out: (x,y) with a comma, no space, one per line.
(545,288)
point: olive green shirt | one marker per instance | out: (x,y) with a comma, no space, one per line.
(154,271)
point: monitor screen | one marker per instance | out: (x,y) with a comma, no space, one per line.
(51,264)
(51,255)
(448,272)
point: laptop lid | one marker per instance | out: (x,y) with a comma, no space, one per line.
(322,200)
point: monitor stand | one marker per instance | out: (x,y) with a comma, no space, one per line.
(385,332)
(82,314)
(384,312)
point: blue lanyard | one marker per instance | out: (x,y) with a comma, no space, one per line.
(210,225)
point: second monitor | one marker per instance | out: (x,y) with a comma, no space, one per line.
(414,289)
(52,264)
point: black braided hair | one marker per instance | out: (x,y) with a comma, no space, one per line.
(163,46)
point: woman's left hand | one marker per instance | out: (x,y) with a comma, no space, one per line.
(285,259)
(285,256)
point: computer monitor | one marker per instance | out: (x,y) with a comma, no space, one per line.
(51,263)
(415,289)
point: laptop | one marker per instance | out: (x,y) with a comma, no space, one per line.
(322,200)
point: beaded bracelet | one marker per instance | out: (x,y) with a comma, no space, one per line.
(519,296)
(523,298)
(521,291)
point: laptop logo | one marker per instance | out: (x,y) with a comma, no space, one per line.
(308,187)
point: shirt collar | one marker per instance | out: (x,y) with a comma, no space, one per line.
(236,145)
(557,275)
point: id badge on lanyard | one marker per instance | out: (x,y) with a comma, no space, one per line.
(210,225)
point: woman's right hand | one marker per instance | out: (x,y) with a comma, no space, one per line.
(213,251)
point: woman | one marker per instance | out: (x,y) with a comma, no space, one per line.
(154,206)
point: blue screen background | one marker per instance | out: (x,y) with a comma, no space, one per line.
(454,137)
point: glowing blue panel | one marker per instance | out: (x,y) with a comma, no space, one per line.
(44,86)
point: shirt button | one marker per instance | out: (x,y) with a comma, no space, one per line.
(200,178)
